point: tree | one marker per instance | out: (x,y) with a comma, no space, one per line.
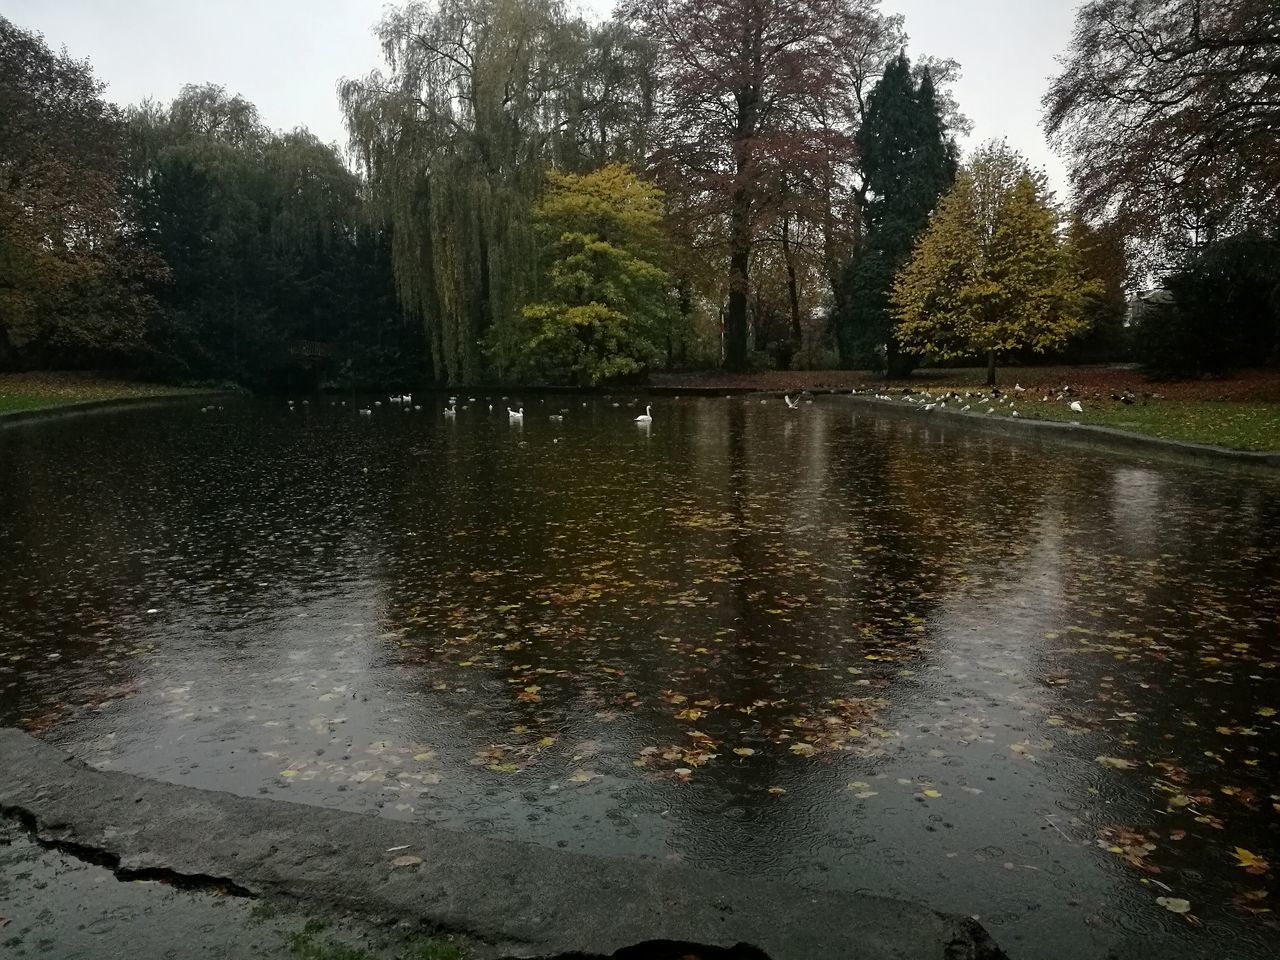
(275,277)
(1169,111)
(907,161)
(991,274)
(608,293)
(748,90)
(71,277)
(1224,311)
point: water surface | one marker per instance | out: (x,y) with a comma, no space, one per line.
(825,646)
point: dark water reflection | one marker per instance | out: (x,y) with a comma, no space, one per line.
(820,646)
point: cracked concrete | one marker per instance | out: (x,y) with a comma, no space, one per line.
(516,900)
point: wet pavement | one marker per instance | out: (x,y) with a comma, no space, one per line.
(1008,680)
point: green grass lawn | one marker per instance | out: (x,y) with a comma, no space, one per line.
(1240,425)
(37,391)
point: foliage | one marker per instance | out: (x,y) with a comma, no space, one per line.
(1225,311)
(1102,256)
(990,274)
(70,280)
(908,161)
(275,277)
(481,98)
(1169,112)
(608,293)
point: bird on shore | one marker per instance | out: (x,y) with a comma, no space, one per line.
(646,417)
(1077,406)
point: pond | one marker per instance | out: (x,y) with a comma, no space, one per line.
(827,646)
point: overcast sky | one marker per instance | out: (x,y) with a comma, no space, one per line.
(287,55)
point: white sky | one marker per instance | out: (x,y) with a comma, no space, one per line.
(287,55)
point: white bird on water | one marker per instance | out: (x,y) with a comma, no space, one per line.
(366,412)
(1077,406)
(646,417)
(517,416)
(791,404)
(451,410)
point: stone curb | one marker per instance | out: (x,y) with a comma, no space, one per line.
(521,900)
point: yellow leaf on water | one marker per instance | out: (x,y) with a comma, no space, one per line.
(1174,904)
(933,794)
(408,860)
(1116,763)
(288,773)
(777,791)
(743,751)
(803,749)
(583,776)
(1251,861)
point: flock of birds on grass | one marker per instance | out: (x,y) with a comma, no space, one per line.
(995,400)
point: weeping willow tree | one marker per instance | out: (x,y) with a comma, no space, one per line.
(478,100)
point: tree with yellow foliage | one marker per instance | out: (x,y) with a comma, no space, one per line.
(991,274)
(605,290)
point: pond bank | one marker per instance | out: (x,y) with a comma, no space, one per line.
(517,900)
(1091,436)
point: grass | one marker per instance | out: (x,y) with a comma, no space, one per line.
(40,391)
(1227,423)
(304,946)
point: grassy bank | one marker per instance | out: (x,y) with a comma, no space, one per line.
(38,391)
(1242,413)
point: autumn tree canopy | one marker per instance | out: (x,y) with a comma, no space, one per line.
(991,274)
(1169,113)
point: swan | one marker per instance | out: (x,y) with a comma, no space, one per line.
(451,411)
(646,417)
(1077,406)
(516,415)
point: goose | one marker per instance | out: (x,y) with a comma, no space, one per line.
(646,417)
(1077,406)
(516,415)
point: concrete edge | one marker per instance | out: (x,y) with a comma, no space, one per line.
(1087,435)
(42,414)
(520,900)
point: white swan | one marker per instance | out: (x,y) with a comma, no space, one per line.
(646,417)
(516,415)
(451,411)
(1077,406)
(791,404)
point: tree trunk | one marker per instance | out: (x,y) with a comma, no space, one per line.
(793,288)
(735,326)
(991,368)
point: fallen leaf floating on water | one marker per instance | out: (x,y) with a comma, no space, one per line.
(407,860)
(1174,904)
(1116,763)
(743,751)
(1251,861)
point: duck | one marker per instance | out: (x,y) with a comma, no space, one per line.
(646,417)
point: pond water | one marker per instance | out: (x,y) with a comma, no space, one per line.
(826,646)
